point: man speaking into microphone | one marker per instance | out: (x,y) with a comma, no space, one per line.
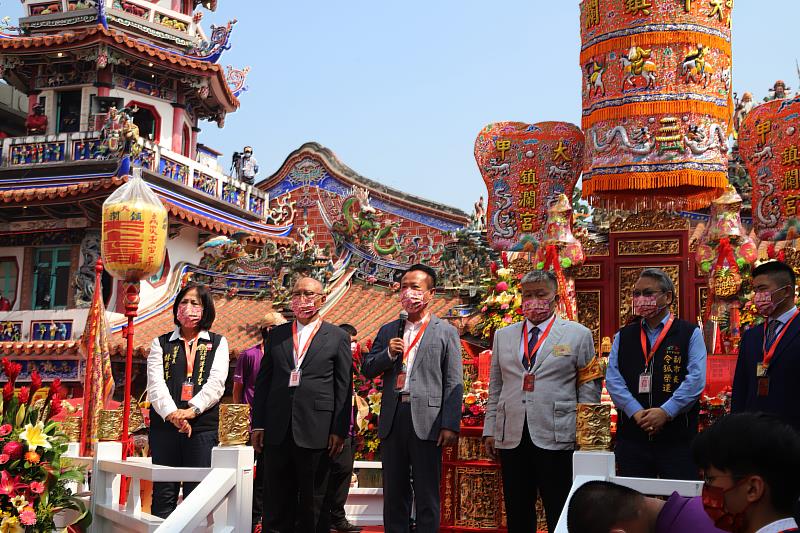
(419,357)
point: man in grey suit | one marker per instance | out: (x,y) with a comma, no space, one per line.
(541,369)
(423,383)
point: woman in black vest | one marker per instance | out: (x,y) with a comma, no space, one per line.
(186,373)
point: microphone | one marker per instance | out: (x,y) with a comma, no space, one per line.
(401,326)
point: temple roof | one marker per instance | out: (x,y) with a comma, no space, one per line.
(365,307)
(40,348)
(377,190)
(97,34)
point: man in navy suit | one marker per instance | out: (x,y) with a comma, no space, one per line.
(768,370)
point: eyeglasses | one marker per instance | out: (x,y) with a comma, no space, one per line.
(306,295)
(646,292)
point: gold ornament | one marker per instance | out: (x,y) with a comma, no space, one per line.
(71,427)
(593,426)
(234,424)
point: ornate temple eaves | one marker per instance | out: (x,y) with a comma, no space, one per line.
(69,40)
(335,167)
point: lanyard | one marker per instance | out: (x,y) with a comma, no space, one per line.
(648,356)
(769,353)
(298,355)
(422,329)
(542,337)
(190,352)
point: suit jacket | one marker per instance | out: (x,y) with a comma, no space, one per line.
(436,379)
(320,405)
(784,375)
(550,410)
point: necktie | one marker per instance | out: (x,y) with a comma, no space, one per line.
(531,345)
(772,331)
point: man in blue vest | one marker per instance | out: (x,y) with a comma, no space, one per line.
(768,369)
(656,373)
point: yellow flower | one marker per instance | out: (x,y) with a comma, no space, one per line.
(34,436)
(19,502)
(503,273)
(11,525)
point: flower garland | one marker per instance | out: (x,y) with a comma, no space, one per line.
(35,475)
(368,402)
(502,303)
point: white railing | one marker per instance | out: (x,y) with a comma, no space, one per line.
(58,149)
(222,502)
(590,466)
(364,506)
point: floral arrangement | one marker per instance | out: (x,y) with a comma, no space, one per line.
(34,477)
(712,408)
(368,402)
(502,304)
(473,408)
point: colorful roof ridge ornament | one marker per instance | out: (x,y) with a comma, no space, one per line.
(237,79)
(526,167)
(656,102)
(769,143)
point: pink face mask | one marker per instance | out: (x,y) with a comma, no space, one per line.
(412,300)
(189,315)
(537,309)
(303,308)
(645,306)
(764,304)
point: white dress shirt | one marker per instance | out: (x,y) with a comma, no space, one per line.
(780,525)
(210,393)
(303,333)
(541,327)
(409,334)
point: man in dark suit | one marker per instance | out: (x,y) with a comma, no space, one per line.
(768,369)
(301,411)
(421,403)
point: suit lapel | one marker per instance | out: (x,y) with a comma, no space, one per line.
(428,338)
(316,345)
(788,338)
(556,332)
(515,342)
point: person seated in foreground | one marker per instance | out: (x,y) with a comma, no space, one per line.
(605,507)
(751,466)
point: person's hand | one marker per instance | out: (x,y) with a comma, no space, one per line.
(335,445)
(396,347)
(175,419)
(186,427)
(653,420)
(257,438)
(491,451)
(637,417)
(447,438)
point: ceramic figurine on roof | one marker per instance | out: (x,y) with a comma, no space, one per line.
(779,91)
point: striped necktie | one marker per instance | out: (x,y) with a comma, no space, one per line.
(531,345)
(772,331)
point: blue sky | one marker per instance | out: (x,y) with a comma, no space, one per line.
(399,90)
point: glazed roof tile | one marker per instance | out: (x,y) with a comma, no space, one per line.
(59,191)
(99,33)
(33,348)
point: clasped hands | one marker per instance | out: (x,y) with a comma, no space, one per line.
(651,420)
(180,419)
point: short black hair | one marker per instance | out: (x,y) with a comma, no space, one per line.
(423,268)
(349,329)
(598,506)
(754,444)
(777,270)
(209,313)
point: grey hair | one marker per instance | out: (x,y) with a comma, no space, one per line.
(535,276)
(664,282)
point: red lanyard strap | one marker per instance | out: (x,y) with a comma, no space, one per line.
(528,354)
(298,355)
(771,352)
(190,352)
(648,356)
(416,338)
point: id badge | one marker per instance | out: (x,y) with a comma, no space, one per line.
(400,382)
(187,391)
(645,383)
(294,378)
(761,370)
(528,381)
(763,386)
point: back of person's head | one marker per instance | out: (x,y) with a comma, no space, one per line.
(754,444)
(349,329)
(600,506)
